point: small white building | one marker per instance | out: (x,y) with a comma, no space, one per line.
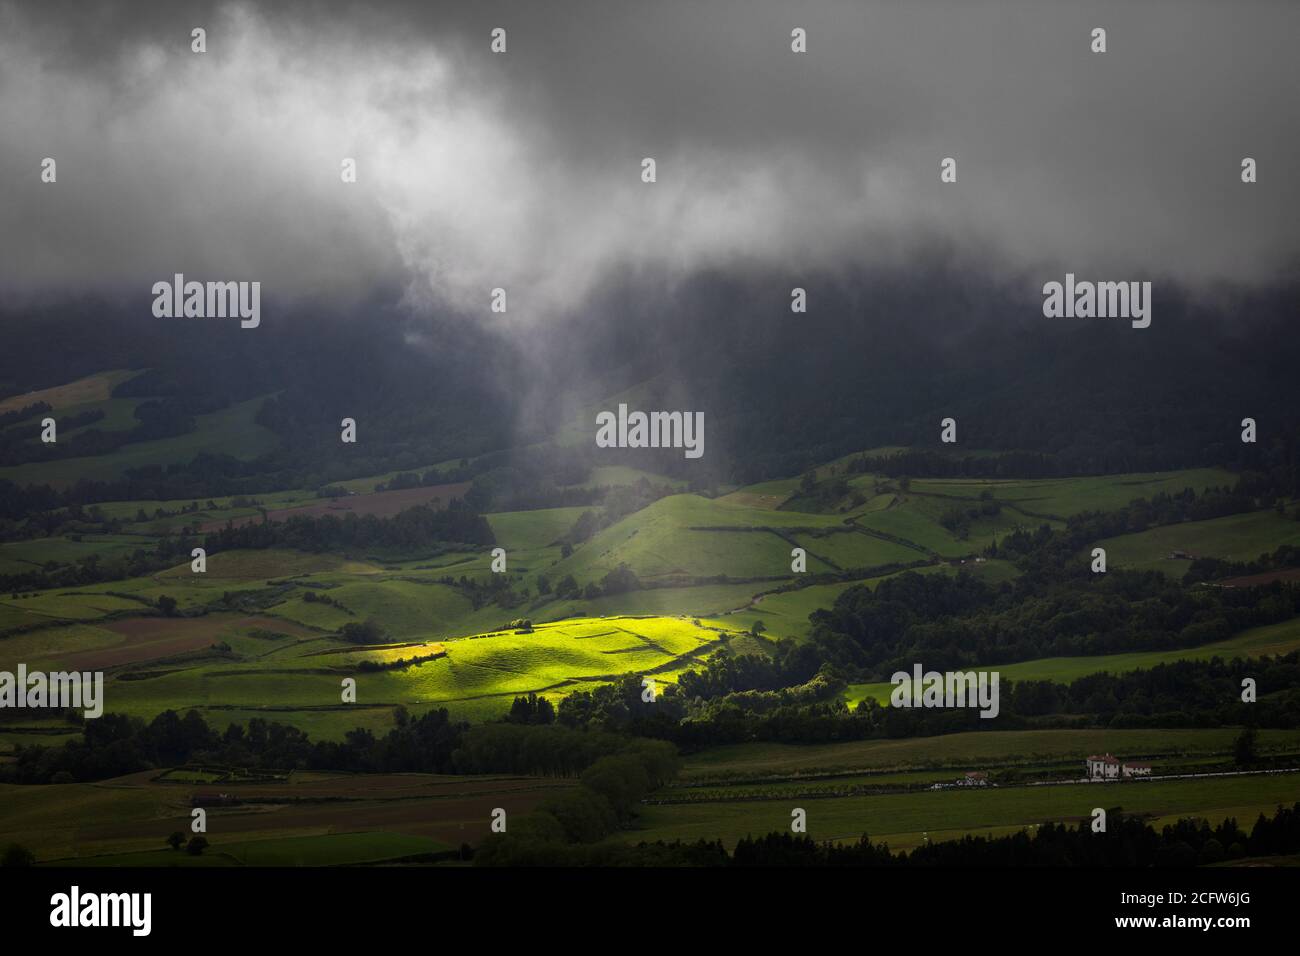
(1102,767)
(1109,767)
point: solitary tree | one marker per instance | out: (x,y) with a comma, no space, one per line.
(1244,748)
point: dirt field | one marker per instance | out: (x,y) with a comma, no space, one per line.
(383,504)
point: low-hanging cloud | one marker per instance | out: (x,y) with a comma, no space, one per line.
(522,170)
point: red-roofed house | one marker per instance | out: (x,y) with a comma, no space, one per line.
(1103,767)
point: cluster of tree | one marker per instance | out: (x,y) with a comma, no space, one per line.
(415,528)
(531,710)
(618,581)
(1128,841)
(21,443)
(623,706)
(606,799)
(1213,569)
(156,418)
(498,589)
(1180,694)
(431,478)
(116,744)
(368,631)
(950,622)
(312,597)
(738,698)
(92,569)
(24,413)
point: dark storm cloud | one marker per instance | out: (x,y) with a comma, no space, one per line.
(522,170)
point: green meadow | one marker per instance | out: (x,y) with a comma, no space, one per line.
(906,820)
(1063,497)
(1243,537)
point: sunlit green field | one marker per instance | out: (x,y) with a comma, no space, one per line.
(479,673)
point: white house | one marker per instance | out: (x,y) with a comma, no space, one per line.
(1102,767)
(1109,767)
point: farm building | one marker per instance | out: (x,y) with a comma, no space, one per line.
(1109,767)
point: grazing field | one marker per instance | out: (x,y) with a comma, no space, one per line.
(1241,537)
(312,819)
(906,820)
(17,557)
(1265,641)
(264,564)
(1063,497)
(767,494)
(529,530)
(686,535)
(382,504)
(854,549)
(972,750)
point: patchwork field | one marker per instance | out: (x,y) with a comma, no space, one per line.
(293,675)
(382,504)
(310,819)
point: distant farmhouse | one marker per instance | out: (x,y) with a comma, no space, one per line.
(1108,767)
(972,778)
